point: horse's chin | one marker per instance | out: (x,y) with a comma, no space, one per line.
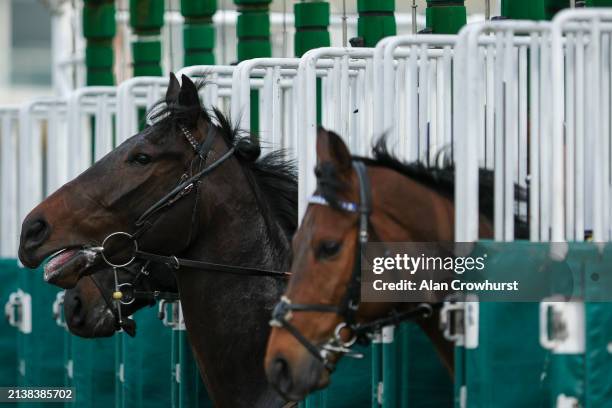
(66,267)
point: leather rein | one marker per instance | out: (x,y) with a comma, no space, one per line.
(347,309)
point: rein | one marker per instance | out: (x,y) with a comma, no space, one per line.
(187,184)
(347,309)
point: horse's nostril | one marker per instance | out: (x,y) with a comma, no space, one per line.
(73,310)
(36,233)
(280,375)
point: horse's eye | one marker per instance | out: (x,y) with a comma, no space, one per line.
(327,249)
(140,158)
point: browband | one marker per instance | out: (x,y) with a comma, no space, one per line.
(345,205)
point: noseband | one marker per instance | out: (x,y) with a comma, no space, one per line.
(347,309)
(188,183)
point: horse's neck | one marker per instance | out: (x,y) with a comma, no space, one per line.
(415,213)
(227,315)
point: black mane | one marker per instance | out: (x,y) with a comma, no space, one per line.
(272,177)
(440,179)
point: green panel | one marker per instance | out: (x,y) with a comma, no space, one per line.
(8,335)
(254,49)
(314,14)
(199,36)
(372,28)
(93,371)
(99,20)
(375,5)
(311,22)
(501,365)
(99,55)
(146,15)
(95,77)
(188,390)
(253,24)
(147,372)
(146,52)
(598,357)
(376,369)
(199,58)
(253,3)
(446,20)
(599,3)
(198,8)
(40,353)
(147,58)
(424,381)
(308,40)
(532,9)
(349,386)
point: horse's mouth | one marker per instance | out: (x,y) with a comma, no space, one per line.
(65,267)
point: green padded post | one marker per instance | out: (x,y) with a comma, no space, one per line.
(146,20)
(533,9)
(445,16)
(253,32)
(599,3)
(99,30)
(311,31)
(198,31)
(376,20)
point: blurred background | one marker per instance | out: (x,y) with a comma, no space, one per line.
(27,54)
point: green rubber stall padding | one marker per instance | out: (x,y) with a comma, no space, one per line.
(40,353)
(586,376)
(147,57)
(199,58)
(93,371)
(315,14)
(532,9)
(96,77)
(374,28)
(253,24)
(199,36)
(349,386)
(146,52)
(262,3)
(423,380)
(99,55)
(248,49)
(188,390)
(446,20)
(147,372)
(146,15)
(99,20)
(198,8)
(375,5)
(8,335)
(305,41)
(504,364)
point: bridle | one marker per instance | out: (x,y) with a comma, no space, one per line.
(347,309)
(189,182)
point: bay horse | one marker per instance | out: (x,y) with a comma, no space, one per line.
(320,315)
(187,190)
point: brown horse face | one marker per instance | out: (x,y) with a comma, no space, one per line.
(323,260)
(112,194)
(88,308)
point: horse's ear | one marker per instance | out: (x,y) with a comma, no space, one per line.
(188,96)
(173,90)
(331,148)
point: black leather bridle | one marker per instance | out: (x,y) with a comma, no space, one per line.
(188,183)
(347,309)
